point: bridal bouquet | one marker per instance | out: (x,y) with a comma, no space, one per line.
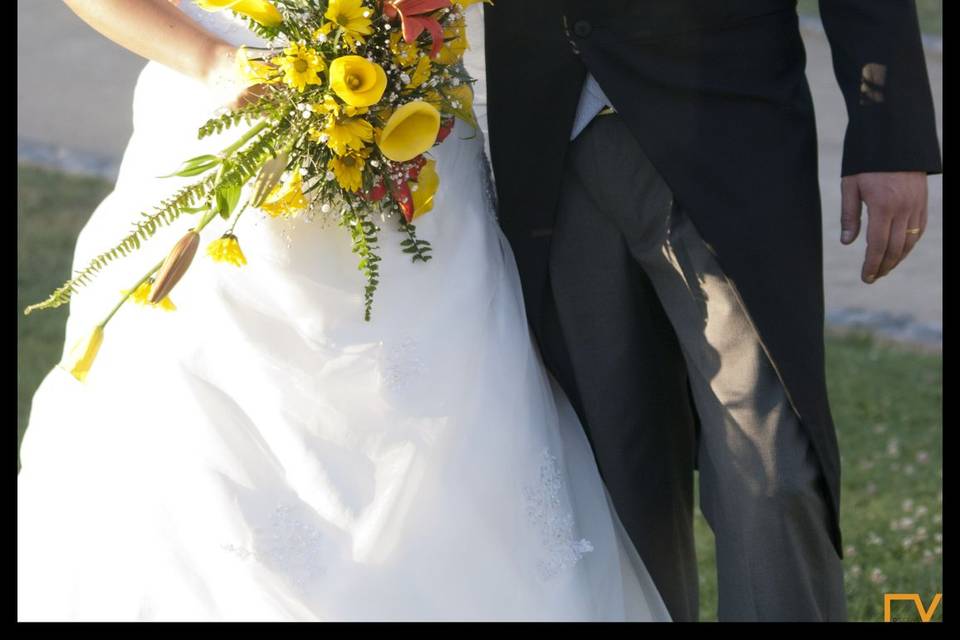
(357,92)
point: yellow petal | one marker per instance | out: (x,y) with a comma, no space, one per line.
(83,353)
(260,10)
(421,74)
(411,130)
(428,182)
(214,5)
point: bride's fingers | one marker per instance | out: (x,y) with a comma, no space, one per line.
(251,95)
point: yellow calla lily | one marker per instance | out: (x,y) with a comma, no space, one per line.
(259,10)
(411,130)
(357,81)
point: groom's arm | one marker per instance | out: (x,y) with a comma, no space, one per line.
(891,140)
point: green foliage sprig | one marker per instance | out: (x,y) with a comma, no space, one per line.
(365,235)
(417,248)
(169,211)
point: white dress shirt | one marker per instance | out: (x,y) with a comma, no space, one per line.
(592,102)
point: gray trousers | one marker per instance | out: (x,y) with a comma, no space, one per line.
(645,319)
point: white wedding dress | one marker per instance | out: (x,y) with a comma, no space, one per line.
(262,453)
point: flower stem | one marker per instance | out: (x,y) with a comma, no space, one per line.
(237,217)
(130,292)
(244,139)
(203,222)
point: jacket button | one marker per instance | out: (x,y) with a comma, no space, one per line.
(582,28)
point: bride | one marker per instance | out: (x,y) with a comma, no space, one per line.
(262,453)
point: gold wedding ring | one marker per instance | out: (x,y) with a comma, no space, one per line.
(914,232)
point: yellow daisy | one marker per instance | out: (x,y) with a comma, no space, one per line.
(329,105)
(421,74)
(300,65)
(351,17)
(349,169)
(404,53)
(347,134)
(227,249)
(332,107)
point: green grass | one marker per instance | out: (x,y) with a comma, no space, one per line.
(886,402)
(51,210)
(930,13)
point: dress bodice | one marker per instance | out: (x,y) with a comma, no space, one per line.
(234,30)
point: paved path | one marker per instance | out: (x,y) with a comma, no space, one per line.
(74,91)
(915,288)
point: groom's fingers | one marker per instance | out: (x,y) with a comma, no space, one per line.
(878,239)
(916,226)
(895,245)
(850,211)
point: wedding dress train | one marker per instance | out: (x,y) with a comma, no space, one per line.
(262,453)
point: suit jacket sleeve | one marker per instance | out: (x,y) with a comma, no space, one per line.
(879,62)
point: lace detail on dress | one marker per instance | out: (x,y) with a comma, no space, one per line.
(399,364)
(546,511)
(289,546)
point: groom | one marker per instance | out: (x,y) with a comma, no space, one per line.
(656,170)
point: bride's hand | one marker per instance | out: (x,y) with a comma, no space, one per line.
(157,30)
(225,81)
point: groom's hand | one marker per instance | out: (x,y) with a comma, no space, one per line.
(896,216)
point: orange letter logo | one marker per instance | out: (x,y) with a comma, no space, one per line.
(925,614)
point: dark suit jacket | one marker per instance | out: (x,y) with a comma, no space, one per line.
(715,91)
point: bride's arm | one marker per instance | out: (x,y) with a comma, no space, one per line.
(157,30)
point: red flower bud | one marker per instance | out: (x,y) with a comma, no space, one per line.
(377,192)
(404,197)
(445,128)
(176,264)
(414,167)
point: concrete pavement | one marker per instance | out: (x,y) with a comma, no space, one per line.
(915,288)
(74,91)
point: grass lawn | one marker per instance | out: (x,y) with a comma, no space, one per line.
(930,13)
(886,401)
(51,210)
(887,407)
